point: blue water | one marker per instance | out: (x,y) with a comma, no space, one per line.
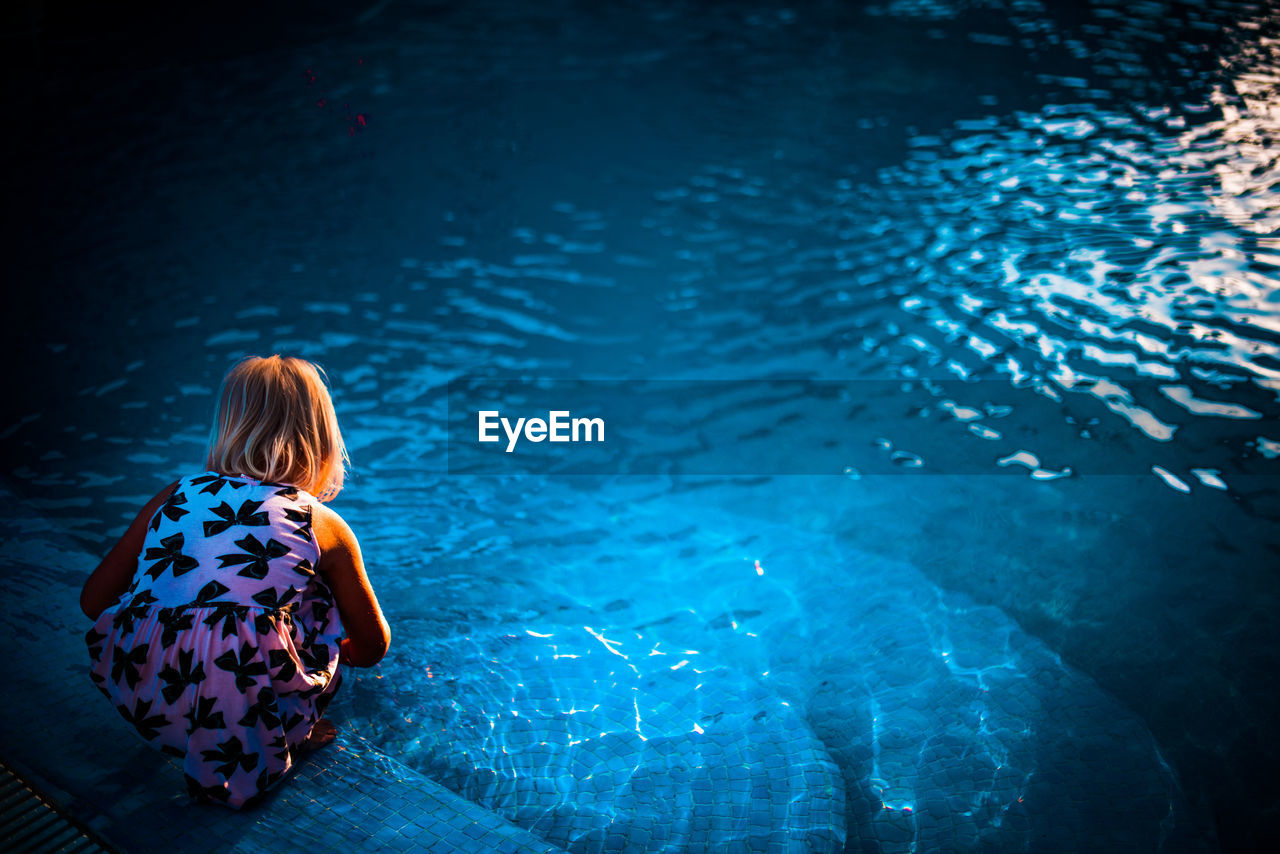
(1032,245)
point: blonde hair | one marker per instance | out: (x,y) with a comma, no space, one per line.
(275,422)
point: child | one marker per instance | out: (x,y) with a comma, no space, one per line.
(215,630)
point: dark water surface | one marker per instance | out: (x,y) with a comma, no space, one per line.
(1036,240)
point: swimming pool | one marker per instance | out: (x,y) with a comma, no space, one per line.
(958,527)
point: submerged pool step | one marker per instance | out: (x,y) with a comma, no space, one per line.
(30,822)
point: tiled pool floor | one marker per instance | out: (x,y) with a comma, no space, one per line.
(898,716)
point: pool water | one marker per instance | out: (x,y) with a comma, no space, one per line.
(966,540)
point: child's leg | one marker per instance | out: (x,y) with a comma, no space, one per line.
(322,732)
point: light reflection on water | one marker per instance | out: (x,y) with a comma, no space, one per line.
(562,695)
(1076,213)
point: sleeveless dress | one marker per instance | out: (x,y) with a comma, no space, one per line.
(224,651)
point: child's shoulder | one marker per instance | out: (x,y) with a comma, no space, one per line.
(155,504)
(329,527)
(166,492)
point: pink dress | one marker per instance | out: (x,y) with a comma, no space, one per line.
(224,651)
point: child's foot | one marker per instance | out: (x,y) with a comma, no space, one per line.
(322,732)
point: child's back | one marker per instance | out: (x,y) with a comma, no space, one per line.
(225,649)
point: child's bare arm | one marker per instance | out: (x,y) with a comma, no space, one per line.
(368,635)
(113,575)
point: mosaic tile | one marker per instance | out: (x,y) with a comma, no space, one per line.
(989,746)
